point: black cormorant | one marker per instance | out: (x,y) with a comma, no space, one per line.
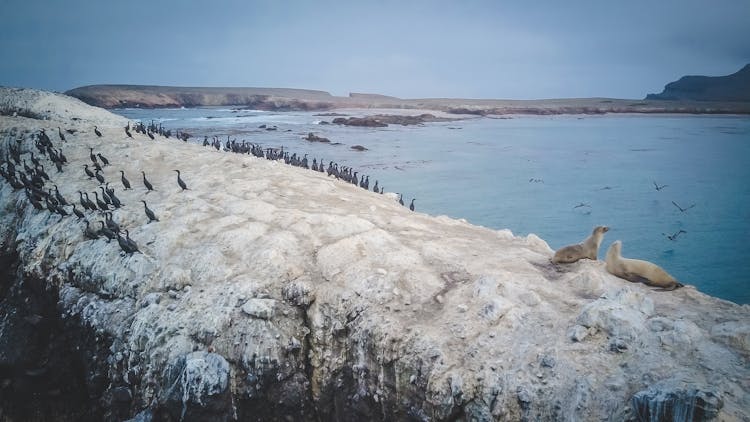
(149,213)
(180,181)
(146,182)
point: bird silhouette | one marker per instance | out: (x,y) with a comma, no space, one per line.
(148,184)
(673,237)
(103,158)
(659,187)
(150,214)
(411,206)
(682,209)
(125,181)
(180,181)
(99,134)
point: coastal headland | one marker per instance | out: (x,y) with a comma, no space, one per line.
(283,99)
(270,292)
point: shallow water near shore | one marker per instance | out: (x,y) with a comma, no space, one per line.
(555,176)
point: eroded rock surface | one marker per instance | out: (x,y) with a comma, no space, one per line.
(267,292)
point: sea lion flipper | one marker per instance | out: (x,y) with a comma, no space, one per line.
(675,286)
(636,278)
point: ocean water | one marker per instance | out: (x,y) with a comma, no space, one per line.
(555,176)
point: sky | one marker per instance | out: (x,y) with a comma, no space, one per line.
(406,48)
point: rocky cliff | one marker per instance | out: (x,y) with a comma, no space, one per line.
(282,99)
(266,292)
(734,87)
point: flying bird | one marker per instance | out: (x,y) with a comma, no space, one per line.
(682,209)
(673,237)
(659,187)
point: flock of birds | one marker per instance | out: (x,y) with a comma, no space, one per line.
(673,236)
(344,173)
(44,195)
(35,182)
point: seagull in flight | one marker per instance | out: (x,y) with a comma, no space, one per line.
(682,209)
(673,237)
(659,187)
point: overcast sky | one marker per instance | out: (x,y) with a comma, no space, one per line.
(409,49)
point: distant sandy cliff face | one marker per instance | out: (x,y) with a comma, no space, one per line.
(734,87)
(693,97)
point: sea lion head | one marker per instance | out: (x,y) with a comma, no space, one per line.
(615,249)
(601,229)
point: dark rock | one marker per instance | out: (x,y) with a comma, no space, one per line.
(315,138)
(143,416)
(196,387)
(359,121)
(657,404)
(359,148)
(734,87)
(121,394)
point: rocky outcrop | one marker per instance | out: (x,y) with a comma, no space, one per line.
(383,120)
(250,301)
(734,87)
(315,138)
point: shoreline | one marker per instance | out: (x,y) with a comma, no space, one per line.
(281,99)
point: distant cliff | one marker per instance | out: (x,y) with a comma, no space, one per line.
(120,96)
(734,87)
(285,99)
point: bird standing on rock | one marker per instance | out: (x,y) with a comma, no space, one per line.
(146,182)
(89,173)
(103,158)
(411,206)
(125,181)
(101,204)
(150,214)
(99,134)
(180,181)
(77,212)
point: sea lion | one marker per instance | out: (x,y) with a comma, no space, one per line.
(589,248)
(638,271)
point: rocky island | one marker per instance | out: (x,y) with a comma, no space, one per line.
(249,300)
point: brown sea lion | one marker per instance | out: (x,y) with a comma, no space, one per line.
(589,248)
(638,271)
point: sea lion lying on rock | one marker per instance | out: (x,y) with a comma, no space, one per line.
(589,248)
(638,271)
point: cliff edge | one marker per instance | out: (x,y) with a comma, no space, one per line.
(734,87)
(267,292)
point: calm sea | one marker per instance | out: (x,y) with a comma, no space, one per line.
(555,176)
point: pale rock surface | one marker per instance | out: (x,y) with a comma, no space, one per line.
(252,301)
